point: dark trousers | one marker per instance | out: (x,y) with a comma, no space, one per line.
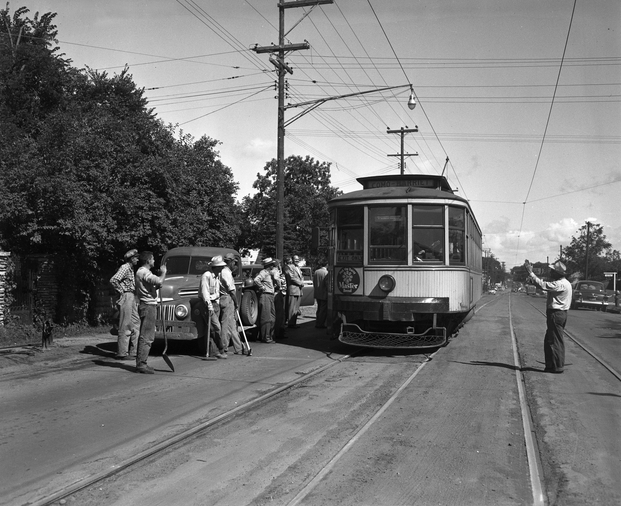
(279,302)
(267,317)
(321,316)
(147,314)
(215,331)
(293,306)
(553,344)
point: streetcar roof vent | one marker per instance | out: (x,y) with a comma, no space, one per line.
(427,181)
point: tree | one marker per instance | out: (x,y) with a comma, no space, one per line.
(87,171)
(493,269)
(307,192)
(601,257)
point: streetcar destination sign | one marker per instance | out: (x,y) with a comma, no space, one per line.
(425,183)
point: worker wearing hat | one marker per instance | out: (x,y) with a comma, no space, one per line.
(228,304)
(129,322)
(264,281)
(295,286)
(209,294)
(559,300)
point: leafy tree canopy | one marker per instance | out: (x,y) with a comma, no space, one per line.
(307,191)
(87,171)
(589,254)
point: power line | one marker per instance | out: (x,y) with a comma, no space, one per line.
(200,14)
(558,77)
(226,106)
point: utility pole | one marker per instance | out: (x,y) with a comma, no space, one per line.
(403,131)
(586,256)
(281,68)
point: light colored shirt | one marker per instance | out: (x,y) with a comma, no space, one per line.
(265,281)
(295,280)
(209,288)
(559,292)
(147,284)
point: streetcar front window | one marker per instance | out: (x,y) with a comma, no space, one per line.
(457,228)
(350,234)
(428,233)
(388,235)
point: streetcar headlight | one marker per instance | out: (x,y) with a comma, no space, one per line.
(387,283)
(181,311)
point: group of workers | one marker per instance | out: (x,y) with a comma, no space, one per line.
(279,289)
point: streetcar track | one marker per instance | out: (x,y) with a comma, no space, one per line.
(178,438)
(530,440)
(307,488)
(594,355)
(533,456)
(314,482)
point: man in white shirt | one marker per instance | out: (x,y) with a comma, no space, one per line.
(559,299)
(228,302)
(209,294)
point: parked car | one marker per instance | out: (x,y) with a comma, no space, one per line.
(593,294)
(179,294)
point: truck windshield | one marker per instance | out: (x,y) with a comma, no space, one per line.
(183,265)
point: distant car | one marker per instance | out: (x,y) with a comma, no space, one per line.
(492,291)
(592,294)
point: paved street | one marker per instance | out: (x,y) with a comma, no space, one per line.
(454,435)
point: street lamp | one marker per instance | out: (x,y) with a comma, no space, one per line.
(412,100)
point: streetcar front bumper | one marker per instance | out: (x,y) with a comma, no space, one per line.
(397,310)
(433,337)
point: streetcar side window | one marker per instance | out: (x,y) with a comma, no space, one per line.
(388,235)
(457,232)
(428,233)
(350,234)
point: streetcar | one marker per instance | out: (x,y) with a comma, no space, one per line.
(405,262)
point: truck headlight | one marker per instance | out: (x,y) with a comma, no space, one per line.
(181,312)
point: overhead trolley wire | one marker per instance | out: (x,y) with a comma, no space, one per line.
(199,13)
(545,131)
(420,105)
(380,74)
(354,86)
(226,106)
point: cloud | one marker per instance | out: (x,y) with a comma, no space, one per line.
(499,226)
(561,231)
(261,148)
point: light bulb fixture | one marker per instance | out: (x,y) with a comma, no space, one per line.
(412,100)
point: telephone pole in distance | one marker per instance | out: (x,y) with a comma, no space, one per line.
(403,131)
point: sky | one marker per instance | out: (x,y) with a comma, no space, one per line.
(523,98)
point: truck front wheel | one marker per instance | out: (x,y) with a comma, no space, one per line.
(249,308)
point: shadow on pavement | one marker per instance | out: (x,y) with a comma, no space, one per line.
(126,366)
(102,350)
